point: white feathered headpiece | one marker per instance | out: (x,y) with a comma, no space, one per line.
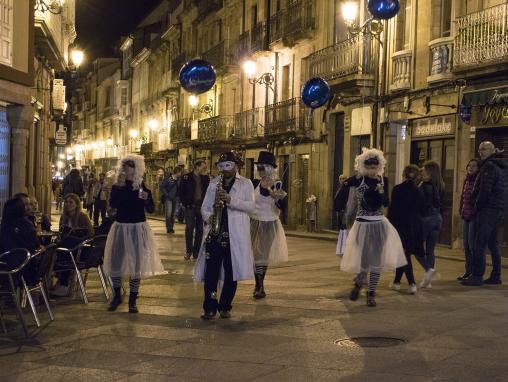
(139,169)
(370,154)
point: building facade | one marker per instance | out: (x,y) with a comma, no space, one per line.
(397,85)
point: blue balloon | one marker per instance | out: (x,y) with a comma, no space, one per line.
(197,76)
(465,113)
(383,9)
(315,92)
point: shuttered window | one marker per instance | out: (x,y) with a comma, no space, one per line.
(6,27)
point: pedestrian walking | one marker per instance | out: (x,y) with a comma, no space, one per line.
(169,197)
(73,184)
(467,213)
(100,197)
(226,253)
(489,196)
(88,203)
(431,191)
(192,192)
(404,214)
(373,245)
(130,247)
(267,234)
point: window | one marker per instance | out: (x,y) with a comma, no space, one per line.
(441,18)
(6,27)
(123,96)
(254,16)
(403,26)
(107,97)
(285,82)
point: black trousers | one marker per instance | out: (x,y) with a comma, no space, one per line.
(407,270)
(219,257)
(193,222)
(99,207)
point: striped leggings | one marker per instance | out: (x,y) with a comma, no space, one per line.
(373,280)
(133,284)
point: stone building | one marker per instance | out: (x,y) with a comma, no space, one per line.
(34,45)
(397,85)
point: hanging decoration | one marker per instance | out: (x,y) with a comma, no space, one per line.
(315,93)
(197,76)
(383,9)
(465,113)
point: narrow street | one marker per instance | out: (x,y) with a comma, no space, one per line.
(449,333)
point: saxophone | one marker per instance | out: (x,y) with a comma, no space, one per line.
(218,206)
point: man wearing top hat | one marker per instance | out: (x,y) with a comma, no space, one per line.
(226,256)
(267,234)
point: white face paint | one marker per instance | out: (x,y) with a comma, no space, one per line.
(226,166)
(265,170)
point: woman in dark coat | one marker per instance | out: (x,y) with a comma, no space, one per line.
(404,214)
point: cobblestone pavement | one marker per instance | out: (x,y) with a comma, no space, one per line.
(448,333)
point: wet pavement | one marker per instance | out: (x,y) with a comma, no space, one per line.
(448,333)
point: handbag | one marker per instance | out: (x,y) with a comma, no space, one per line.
(341,242)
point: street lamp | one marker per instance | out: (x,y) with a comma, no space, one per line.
(133,133)
(371,26)
(193,101)
(153,124)
(53,6)
(267,79)
(349,12)
(77,57)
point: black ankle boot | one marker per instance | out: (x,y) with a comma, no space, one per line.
(117,299)
(258,284)
(371,300)
(260,288)
(132,302)
(355,292)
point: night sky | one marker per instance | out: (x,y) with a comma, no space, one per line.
(101,23)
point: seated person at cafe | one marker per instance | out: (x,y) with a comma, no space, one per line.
(17,231)
(40,220)
(75,227)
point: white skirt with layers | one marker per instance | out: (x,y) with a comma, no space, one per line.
(373,246)
(268,242)
(131,252)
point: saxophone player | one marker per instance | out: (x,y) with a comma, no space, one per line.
(226,252)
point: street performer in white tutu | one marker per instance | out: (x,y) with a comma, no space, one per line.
(373,245)
(267,234)
(130,248)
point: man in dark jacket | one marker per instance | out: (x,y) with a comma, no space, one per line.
(489,198)
(192,191)
(169,196)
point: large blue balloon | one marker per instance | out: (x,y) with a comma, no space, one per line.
(315,92)
(197,76)
(383,9)
(465,113)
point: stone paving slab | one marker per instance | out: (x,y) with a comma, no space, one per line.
(450,333)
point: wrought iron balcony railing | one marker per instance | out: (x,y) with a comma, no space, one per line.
(215,129)
(257,37)
(293,23)
(249,123)
(220,55)
(482,37)
(352,56)
(180,131)
(289,116)
(242,49)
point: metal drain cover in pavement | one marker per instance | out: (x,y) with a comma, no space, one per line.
(369,342)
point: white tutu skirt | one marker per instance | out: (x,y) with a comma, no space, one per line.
(372,246)
(131,252)
(268,242)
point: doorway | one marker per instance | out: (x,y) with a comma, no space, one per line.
(284,177)
(303,185)
(441,151)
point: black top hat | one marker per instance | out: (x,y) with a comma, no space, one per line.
(227,157)
(266,157)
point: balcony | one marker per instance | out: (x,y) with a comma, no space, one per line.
(441,59)
(242,46)
(180,131)
(402,64)
(176,64)
(348,60)
(205,7)
(257,38)
(482,38)
(249,123)
(296,22)
(215,129)
(220,56)
(288,117)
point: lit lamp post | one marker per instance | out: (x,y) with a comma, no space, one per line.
(77,57)
(133,134)
(372,27)
(207,108)
(267,79)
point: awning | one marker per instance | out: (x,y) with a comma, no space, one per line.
(490,96)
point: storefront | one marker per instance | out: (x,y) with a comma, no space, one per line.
(489,120)
(434,139)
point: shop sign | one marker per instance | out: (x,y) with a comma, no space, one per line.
(61,136)
(429,127)
(58,94)
(494,114)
